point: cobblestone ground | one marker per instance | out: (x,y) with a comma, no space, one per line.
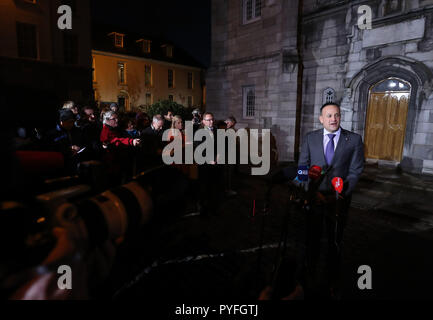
(390,229)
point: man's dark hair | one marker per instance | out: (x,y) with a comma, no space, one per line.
(210,113)
(329,104)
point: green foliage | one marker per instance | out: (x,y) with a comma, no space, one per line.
(161,107)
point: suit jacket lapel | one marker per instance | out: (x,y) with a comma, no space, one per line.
(319,142)
(340,146)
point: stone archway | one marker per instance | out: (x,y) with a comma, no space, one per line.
(355,100)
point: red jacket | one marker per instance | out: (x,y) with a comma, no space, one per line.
(109,136)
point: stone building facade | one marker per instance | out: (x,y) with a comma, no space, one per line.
(382,75)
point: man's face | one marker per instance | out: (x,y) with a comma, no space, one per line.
(158,124)
(113,121)
(90,114)
(330,118)
(208,121)
(74,110)
(169,115)
(230,124)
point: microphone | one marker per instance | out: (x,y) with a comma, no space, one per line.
(337,183)
(302,176)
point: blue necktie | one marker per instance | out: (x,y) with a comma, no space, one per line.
(329,152)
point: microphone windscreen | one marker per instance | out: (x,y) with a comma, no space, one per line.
(315,172)
(303,173)
(337,183)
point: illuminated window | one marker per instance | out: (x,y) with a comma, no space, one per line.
(121,71)
(190,80)
(249,102)
(170,78)
(27,41)
(148,75)
(252,10)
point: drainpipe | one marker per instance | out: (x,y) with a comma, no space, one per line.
(299,45)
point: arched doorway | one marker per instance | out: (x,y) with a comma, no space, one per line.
(385,124)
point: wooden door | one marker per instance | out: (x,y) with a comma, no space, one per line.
(386,125)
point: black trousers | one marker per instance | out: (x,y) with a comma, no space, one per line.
(331,218)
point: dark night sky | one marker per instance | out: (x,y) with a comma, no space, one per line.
(185,23)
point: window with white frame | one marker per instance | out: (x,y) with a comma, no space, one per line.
(252,10)
(249,102)
(121,71)
(148,75)
(27,40)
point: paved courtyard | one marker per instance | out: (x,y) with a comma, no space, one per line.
(232,255)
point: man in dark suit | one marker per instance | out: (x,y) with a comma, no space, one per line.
(152,144)
(341,152)
(209,173)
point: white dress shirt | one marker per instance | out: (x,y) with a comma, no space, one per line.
(326,138)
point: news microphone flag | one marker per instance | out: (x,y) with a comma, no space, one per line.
(337,183)
(302,173)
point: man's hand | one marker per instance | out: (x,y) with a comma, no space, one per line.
(136,142)
(75,149)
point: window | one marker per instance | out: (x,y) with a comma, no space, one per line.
(121,72)
(249,100)
(170,78)
(70,48)
(328,95)
(190,101)
(26,40)
(170,97)
(145,45)
(148,75)
(148,98)
(118,39)
(168,50)
(252,10)
(190,80)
